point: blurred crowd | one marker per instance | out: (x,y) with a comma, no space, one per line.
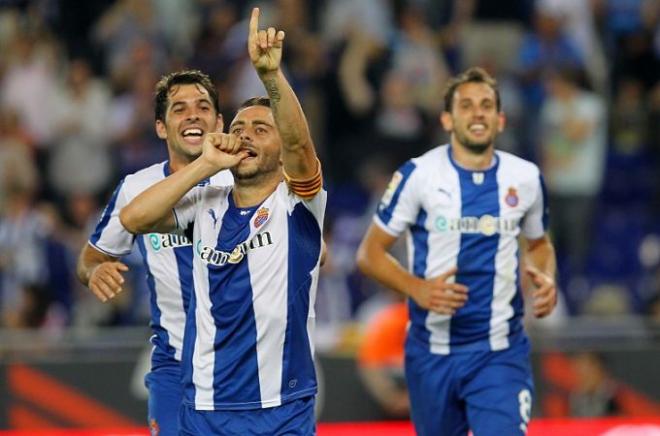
(580,83)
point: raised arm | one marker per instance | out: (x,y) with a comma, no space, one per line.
(151,211)
(298,154)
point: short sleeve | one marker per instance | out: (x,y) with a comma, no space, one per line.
(110,236)
(399,205)
(535,223)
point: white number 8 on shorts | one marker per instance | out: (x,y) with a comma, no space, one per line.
(525,407)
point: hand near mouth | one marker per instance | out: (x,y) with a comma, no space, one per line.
(223,150)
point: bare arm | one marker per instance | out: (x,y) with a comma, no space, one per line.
(100,272)
(542,268)
(265,48)
(435,294)
(151,211)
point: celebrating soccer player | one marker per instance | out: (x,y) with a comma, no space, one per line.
(463,206)
(247,354)
(186,106)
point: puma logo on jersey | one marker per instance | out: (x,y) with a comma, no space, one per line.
(213,217)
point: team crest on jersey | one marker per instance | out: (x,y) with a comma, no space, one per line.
(260,217)
(478,178)
(391,189)
(511,198)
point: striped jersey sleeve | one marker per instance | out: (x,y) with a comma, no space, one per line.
(399,205)
(109,236)
(535,223)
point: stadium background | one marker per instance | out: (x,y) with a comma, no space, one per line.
(76,115)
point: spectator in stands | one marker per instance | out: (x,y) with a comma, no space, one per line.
(573,149)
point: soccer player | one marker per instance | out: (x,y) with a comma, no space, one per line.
(247,354)
(463,206)
(187,110)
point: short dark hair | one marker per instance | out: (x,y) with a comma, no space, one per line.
(184,77)
(471,75)
(255,101)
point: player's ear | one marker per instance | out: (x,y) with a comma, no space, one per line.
(161,130)
(501,122)
(447,121)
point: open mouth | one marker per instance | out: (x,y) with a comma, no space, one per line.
(193,135)
(477,129)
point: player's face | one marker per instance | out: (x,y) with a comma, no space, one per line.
(474,120)
(256,129)
(190,115)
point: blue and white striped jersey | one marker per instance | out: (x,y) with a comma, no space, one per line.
(471,220)
(167,258)
(249,331)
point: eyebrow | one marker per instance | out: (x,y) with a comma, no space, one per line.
(198,101)
(468,99)
(254,123)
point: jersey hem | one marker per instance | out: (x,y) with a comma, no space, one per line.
(109,253)
(253,405)
(471,347)
(385,227)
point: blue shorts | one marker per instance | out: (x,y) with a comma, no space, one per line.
(489,392)
(165,396)
(294,418)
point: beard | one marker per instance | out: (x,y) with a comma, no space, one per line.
(255,173)
(476,147)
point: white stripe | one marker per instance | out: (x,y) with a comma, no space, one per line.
(269,301)
(169,298)
(506,265)
(203,355)
(311,312)
(442,256)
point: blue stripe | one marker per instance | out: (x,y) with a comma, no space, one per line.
(107,213)
(304,251)
(515,323)
(184,260)
(385,211)
(236,374)
(420,239)
(189,336)
(476,260)
(161,338)
(545,205)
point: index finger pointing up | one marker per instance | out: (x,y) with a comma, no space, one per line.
(254,22)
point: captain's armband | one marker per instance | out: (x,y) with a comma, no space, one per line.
(306,188)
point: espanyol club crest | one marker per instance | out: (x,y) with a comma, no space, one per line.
(260,217)
(511,198)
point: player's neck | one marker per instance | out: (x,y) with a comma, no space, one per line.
(471,160)
(177,162)
(252,194)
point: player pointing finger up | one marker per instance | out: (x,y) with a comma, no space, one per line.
(264,46)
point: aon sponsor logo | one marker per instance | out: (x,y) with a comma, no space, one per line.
(210,255)
(160,241)
(486,224)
